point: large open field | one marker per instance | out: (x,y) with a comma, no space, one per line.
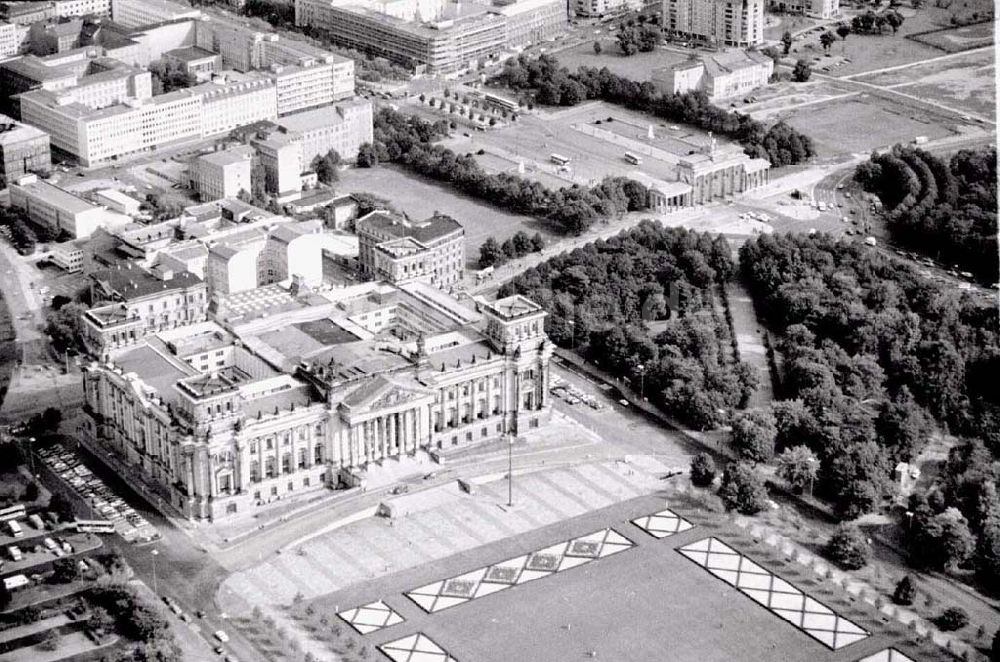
(420,198)
(862,123)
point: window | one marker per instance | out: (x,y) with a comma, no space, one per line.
(305,482)
(318,455)
(468,436)
(230,508)
(256,495)
(291,486)
(274,491)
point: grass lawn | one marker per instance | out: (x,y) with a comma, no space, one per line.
(420,198)
(636,67)
(862,123)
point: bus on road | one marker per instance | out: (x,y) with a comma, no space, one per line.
(94,526)
(632,158)
(559,159)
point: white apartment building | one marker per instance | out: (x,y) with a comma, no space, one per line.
(137,13)
(343,127)
(532,21)
(280,154)
(60,210)
(816,8)
(223,174)
(68,256)
(226,106)
(592,8)
(13,39)
(66,8)
(721,23)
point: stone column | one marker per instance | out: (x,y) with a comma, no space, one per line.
(392,438)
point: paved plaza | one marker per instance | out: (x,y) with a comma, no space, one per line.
(617,584)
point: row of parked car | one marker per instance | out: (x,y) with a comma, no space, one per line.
(104,501)
(572,395)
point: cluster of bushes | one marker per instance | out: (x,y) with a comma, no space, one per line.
(134,619)
(944,209)
(24,235)
(870,354)
(872,23)
(555,85)
(492,253)
(601,296)
(407,140)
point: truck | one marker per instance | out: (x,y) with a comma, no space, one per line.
(921,140)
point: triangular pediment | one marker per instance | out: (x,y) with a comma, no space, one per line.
(384,393)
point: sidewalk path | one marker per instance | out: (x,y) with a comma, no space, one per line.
(750,341)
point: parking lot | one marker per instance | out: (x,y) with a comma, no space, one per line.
(102,501)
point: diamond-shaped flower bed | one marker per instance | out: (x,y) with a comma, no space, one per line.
(544,562)
(499,574)
(458,588)
(584,548)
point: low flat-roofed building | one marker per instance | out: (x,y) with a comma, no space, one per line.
(816,8)
(302,393)
(67,255)
(23,149)
(117,201)
(26,13)
(59,210)
(400,251)
(194,61)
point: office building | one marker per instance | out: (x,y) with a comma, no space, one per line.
(67,255)
(532,21)
(23,149)
(117,201)
(223,174)
(131,303)
(306,392)
(280,155)
(598,8)
(721,75)
(67,8)
(136,126)
(719,23)
(137,13)
(55,36)
(400,251)
(59,210)
(193,61)
(342,126)
(26,13)
(433,36)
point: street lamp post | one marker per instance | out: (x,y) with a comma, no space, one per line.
(510,471)
(572,326)
(31,454)
(642,381)
(154,554)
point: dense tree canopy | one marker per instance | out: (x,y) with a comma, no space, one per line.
(407,140)
(601,298)
(780,143)
(947,210)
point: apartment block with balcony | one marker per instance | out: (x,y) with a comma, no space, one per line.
(720,23)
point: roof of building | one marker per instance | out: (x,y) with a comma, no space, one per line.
(190,54)
(58,197)
(134,283)
(117,196)
(168,6)
(13,132)
(513,307)
(225,157)
(426,231)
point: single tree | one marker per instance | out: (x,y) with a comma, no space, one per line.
(65,570)
(952,619)
(742,489)
(597,48)
(848,547)
(490,253)
(786,40)
(827,39)
(905,593)
(939,541)
(894,19)
(61,506)
(801,72)
(798,466)
(702,470)
(843,31)
(753,436)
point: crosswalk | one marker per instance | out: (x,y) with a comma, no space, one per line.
(370,548)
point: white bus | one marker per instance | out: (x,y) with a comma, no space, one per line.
(500,102)
(36,522)
(15,529)
(12,512)
(559,159)
(632,158)
(94,526)
(15,553)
